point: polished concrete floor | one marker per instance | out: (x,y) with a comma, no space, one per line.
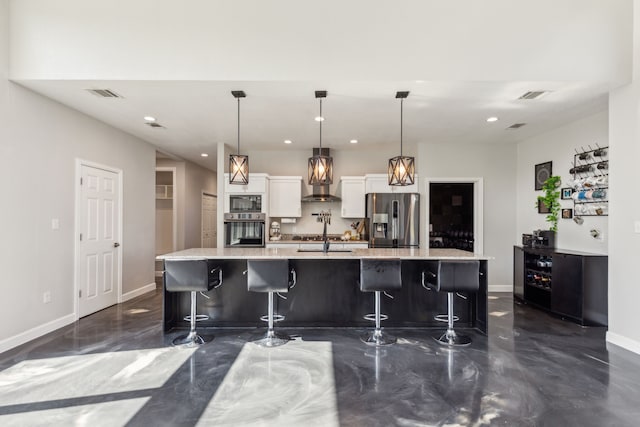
(116,367)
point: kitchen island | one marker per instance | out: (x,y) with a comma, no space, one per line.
(327,292)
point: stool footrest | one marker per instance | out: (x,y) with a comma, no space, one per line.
(444,318)
(276,318)
(199,317)
(372,317)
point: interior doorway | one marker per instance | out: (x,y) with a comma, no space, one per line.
(455,214)
(166,210)
(209,220)
(99,229)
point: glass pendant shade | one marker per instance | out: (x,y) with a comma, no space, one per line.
(320,170)
(402,170)
(238,163)
(238,169)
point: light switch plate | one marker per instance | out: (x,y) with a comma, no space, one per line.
(55,224)
(636,226)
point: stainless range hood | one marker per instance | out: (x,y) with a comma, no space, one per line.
(321,191)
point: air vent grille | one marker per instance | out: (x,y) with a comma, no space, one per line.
(533,94)
(516,125)
(154,125)
(104,93)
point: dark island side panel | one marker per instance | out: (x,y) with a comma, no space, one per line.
(327,294)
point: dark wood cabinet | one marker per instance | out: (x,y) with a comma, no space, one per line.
(570,284)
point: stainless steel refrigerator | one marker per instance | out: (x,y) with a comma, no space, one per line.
(393,220)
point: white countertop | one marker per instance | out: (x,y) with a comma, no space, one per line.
(289,253)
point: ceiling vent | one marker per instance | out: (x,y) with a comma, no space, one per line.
(516,125)
(533,94)
(155,125)
(104,93)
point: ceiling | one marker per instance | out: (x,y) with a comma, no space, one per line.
(197,115)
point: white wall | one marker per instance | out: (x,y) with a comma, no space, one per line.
(624,244)
(39,144)
(558,146)
(499,40)
(191,181)
(496,164)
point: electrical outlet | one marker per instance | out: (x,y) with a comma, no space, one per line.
(46,297)
(55,224)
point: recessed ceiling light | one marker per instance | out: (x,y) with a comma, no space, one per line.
(319,119)
(419,81)
(287,141)
(204,155)
(150,119)
(354,141)
(492,119)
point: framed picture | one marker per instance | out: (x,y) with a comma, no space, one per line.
(542,208)
(567,213)
(566,193)
(542,172)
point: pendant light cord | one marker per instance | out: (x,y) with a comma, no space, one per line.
(321,120)
(401,104)
(238,126)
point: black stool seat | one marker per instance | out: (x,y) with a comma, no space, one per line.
(379,275)
(270,276)
(191,275)
(452,277)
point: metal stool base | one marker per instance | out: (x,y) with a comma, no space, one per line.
(451,338)
(378,338)
(273,339)
(191,340)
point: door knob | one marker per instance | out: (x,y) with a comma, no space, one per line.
(116,244)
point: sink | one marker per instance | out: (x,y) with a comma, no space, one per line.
(320,250)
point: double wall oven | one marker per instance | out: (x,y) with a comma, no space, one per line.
(244,224)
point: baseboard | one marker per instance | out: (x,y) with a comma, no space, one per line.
(38,331)
(137,292)
(624,342)
(500,288)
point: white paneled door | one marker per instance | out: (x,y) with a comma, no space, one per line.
(99,246)
(209,219)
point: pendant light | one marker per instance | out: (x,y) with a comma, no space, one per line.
(401,168)
(238,164)
(320,165)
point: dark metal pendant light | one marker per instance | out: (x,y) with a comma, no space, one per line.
(320,165)
(238,164)
(401,168)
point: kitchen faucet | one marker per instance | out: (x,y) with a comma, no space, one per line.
(325,218)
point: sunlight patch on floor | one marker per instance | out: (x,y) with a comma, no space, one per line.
(291,385)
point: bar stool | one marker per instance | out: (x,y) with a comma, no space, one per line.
(191,275)
(452,277)
(270,276)
(379,275)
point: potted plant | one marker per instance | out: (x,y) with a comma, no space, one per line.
(551,199)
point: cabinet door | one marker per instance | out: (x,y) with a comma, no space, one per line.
(257,185)
(518,273)
(353,198)
(285,196)
(566,287)
(379,183)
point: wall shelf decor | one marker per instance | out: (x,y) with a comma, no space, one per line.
(542,173)
(590,182)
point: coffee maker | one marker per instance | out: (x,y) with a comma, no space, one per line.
(544,239)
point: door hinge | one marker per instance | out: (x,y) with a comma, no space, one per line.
(81,237)
(80,293)
(81,181)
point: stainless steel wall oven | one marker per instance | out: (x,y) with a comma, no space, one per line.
(244,230)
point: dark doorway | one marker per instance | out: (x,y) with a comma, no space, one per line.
(451,215)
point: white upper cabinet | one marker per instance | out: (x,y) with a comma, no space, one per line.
(257,185)
(353,196)
(379,183)
(285,195)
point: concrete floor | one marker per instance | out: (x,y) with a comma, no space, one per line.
(116,367)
